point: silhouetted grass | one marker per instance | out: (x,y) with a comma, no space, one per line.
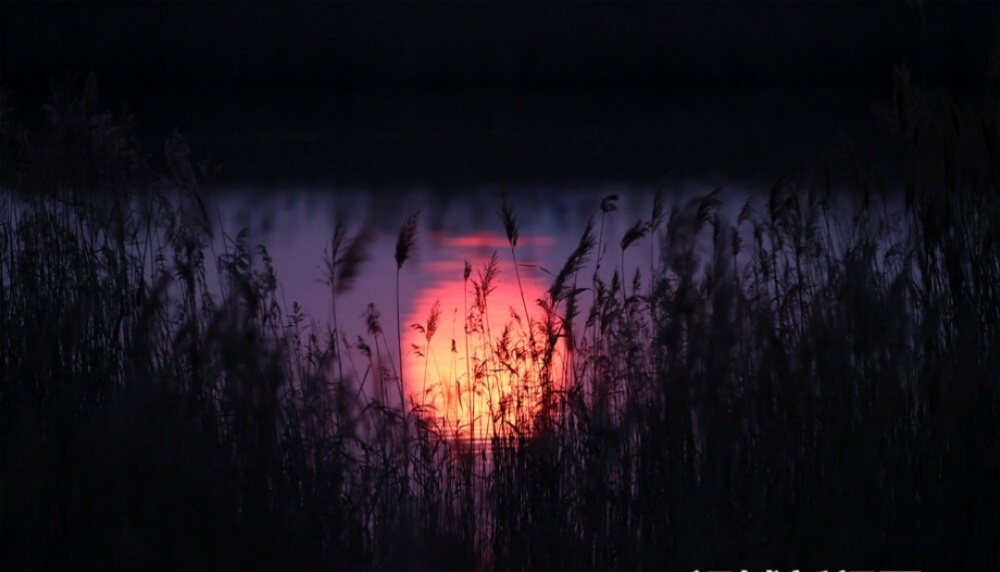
(810,385)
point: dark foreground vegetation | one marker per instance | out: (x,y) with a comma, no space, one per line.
(810,384)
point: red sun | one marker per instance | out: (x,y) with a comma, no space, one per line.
(472,365)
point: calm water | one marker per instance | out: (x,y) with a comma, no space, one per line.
(296,227)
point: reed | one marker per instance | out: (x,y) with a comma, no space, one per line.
(809,385)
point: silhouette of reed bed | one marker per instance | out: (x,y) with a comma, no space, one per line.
(809,384)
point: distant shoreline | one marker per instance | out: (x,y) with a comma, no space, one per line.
(443,140)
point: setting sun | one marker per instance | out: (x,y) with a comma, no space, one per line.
(470,368)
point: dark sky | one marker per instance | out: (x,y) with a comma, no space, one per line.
(493,45)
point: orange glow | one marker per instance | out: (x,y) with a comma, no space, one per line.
(484,239)
(496,389)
